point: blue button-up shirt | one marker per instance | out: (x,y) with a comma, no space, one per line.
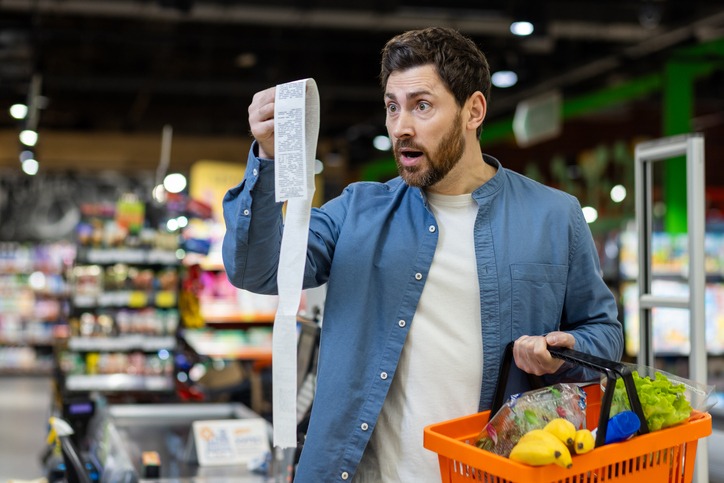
(373,245)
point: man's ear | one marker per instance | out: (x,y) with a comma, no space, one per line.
(477,108)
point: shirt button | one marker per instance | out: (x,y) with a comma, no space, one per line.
(418,276)
(246,212)
(365,426)
(401,323)
(255,171)
(432,228)
(383,375)
(345,475)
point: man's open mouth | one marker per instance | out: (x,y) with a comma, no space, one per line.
(411,154)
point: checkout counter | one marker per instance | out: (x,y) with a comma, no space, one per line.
(118,436)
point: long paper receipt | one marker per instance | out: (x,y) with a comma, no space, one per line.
(296,128)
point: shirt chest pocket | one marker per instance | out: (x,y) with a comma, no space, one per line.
(538,291)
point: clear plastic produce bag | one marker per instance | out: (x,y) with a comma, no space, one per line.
(532,410)
(666,399)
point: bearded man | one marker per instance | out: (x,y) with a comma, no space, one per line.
(429,276)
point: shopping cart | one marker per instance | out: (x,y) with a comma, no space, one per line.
(662,456)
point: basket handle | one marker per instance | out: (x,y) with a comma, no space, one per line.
(612,370)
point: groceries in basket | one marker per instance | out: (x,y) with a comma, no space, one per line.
(622,426)
(543,426)
(666,399)
(555,443)
(658,456)
(531,410)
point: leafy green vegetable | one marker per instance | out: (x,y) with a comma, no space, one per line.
(531,416)
(663,402)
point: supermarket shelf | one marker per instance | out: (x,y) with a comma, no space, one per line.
(212,266)
(137,256)
(35,371)
(33,305)
(127,298)
(118,382)
(24,360)
(227,344)
(29,341)
(237,318)
(122,343)
(256,354)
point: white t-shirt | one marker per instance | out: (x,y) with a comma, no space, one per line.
(441,366)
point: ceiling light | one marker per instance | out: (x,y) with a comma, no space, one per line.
(174,182)
(382,143)
(504,78)
(28,137)
(618,193)
(172,225)
(521,28)
(19,111)
(30,167)
(159,193)
(182,221)
(590,214)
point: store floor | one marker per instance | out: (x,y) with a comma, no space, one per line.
(25,408)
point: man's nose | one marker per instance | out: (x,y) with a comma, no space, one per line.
(401,126)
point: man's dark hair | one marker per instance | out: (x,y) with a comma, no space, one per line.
(460,64)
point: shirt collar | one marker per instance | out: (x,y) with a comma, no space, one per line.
(491,186)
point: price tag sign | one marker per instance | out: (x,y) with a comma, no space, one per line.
(230,441)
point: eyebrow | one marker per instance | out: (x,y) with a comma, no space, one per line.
(409,95)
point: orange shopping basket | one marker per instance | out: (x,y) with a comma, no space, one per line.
(666,455)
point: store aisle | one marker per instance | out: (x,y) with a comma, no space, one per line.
(24,411)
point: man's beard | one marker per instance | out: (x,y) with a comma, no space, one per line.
(435,167)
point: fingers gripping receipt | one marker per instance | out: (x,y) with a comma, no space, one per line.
(296,128)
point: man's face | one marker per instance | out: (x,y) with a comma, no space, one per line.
(425,125)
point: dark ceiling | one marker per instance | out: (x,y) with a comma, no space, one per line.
(136,65)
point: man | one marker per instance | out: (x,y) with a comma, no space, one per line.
(429,275)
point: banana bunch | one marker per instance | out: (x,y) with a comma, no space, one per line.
(578,441)
(553,444)
(539,447)
(584,441)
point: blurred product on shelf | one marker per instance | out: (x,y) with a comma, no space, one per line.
(123,314)
(133,363)
(33,304)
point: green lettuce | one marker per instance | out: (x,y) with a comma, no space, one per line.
(664,403)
